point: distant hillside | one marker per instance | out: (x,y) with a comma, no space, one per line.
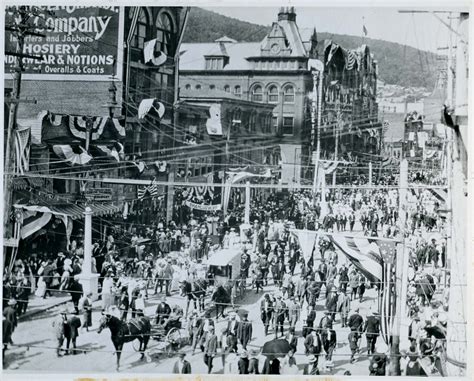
(398,64)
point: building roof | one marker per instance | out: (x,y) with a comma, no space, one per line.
(193,55)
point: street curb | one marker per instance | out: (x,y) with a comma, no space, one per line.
(30,314)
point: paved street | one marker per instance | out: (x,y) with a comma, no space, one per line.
(36,343)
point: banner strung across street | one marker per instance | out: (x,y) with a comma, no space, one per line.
(207,208)
(79,43)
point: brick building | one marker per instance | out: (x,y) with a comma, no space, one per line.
(275,71)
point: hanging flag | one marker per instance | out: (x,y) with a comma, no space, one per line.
(364,30)
(161,165)
(213,124)
(388,290)
(307,240)
(440,194)
(22,150)
(147,104)
(364,253)
(70,155)
(153,188)
(114,152)
(351,60)
(149,53)
(140,165)
(33,222)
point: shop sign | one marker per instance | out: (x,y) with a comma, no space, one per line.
(78,43)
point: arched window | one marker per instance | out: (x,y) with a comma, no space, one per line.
(212,87)
(238,91)
(227,88)
(273,94)
(165,33)
(236,119)
(198,87)
(289,94)
(188,86)
(257,94)
(140,34)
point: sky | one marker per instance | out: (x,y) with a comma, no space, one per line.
(420,30)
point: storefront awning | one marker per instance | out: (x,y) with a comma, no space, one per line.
(72,210)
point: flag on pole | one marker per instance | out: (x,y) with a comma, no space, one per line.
(364,30)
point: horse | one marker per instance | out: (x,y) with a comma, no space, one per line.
(222,298)
(124,332)
(196,292)
(426,288)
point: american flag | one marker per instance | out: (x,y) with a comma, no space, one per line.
(152,190)
(375,259)
(351,60)
(388,300)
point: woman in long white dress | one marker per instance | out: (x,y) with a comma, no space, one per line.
(41,289)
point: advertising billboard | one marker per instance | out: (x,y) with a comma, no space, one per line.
(79,43)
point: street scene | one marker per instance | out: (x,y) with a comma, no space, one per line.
(280,191)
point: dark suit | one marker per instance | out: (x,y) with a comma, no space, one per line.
(266,312)
(163,311)
(244,333)
(210,350)
(235,328)
(185,368)
(243,365)
(253,366)
(372,330)
(356,322)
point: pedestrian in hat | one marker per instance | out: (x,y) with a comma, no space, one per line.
(372,331)
(353,343)
(59,324)
(210,348)
(182,366)
(87,311)
(10,314)
(244,331)
(253,362)
(311,368)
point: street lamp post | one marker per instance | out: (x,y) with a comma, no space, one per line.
(88,279)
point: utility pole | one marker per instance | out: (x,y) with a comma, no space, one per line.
(401,283)
(20,30)
(336,143)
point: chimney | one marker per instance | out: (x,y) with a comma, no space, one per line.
(287,13)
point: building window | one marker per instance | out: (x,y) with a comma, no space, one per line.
(273,94)
(188,86)
(257,94)
(165,33)
(227,88)
(214,63)
(236,120)
(288,125)
(275,123)
(140,34)
(212,87)
(198,87)
(289,94)
(238,91)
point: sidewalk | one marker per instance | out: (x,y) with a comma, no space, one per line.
(37,305)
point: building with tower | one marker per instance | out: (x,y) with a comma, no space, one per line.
(275,71)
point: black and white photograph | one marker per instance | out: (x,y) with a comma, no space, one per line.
(255,189)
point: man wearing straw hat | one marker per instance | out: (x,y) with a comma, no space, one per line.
(312,367)
(59,324)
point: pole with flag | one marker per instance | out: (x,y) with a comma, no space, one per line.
(364,29)
(401,284)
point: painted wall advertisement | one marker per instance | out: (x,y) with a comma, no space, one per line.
(79,43)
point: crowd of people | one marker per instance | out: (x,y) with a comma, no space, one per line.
(314,305)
